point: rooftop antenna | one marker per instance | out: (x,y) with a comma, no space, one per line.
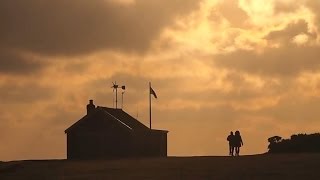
(113,99)
(122,99)
(115,87)
(137,111)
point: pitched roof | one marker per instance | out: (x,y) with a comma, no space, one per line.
(125,118)
(118,115)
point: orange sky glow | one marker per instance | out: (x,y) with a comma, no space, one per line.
(216,65)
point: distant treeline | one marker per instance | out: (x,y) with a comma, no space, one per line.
(298,143)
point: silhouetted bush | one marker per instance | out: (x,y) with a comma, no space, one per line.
(298,143)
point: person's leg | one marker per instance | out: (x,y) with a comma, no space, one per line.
(230,150)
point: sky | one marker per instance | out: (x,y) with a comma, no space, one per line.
(216,66)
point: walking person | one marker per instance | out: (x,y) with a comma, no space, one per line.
(237,142)
(230,138)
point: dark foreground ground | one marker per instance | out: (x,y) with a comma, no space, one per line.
(287,166)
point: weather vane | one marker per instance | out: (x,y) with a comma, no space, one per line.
(115,88)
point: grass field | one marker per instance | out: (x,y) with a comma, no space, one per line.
(285,166)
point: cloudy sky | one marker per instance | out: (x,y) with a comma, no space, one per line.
(216,66)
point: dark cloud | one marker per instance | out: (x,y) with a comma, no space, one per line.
(284,61)
(81,26)
(17,93)
(286,35)
(12,62)
(289,7)
(287,60)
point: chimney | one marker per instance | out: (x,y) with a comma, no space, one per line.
(90,107)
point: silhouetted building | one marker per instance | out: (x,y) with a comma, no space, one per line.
(112,133)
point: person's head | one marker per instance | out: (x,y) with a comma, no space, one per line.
(237,133)
(231,133)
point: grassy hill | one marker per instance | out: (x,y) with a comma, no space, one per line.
(280,166)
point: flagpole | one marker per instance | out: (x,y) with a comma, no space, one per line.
(150,103)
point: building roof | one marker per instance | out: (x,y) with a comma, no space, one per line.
(118,115)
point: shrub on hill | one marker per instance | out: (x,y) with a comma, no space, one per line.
(298,143)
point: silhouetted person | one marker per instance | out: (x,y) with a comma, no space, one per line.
(237,142)
(230,138)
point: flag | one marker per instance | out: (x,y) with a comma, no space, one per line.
(152,92)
